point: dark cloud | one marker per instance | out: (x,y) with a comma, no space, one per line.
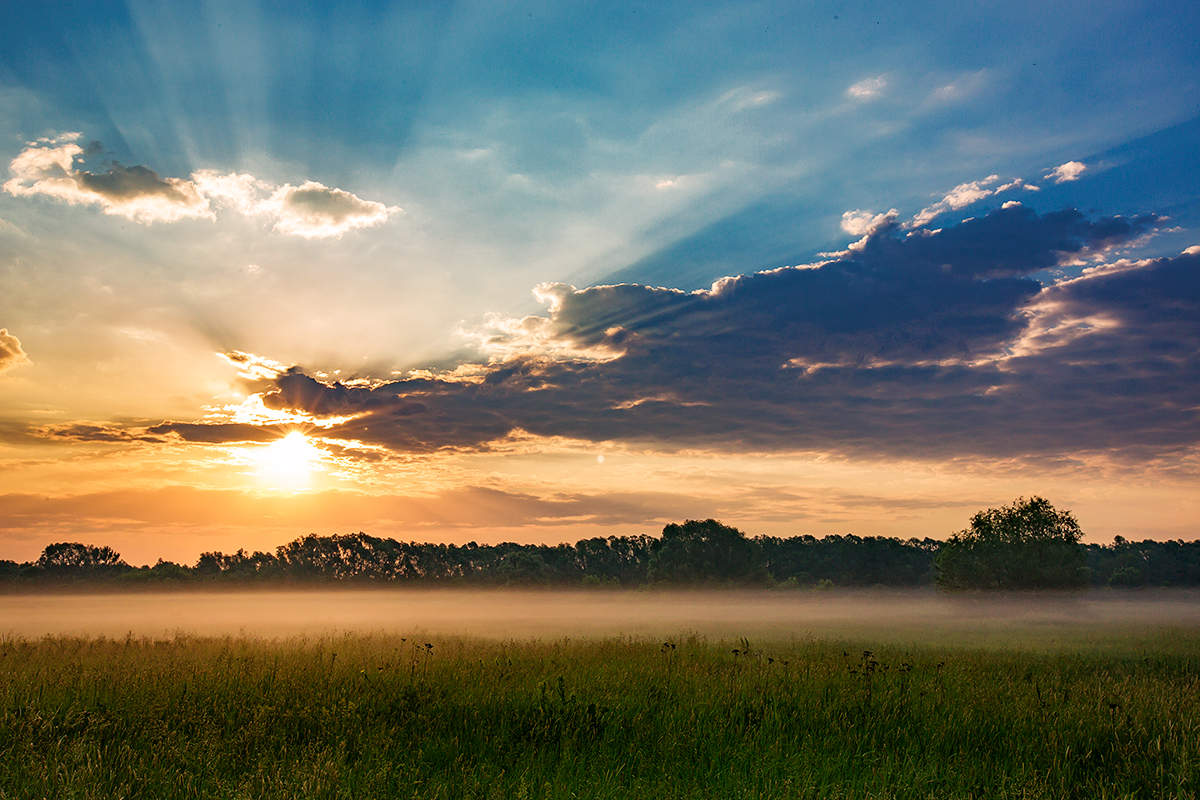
(15,432)
(135,431)
(1118,358)
(923,344)
(1008,242)
(213,433)
(121,184)
(92,432)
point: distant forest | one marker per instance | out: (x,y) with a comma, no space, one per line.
(700,553)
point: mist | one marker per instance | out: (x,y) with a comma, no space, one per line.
(546,614)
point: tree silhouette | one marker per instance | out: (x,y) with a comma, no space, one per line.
(1026,545)
(73,556)
(703,551)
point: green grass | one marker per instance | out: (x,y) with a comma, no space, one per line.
(1102,716)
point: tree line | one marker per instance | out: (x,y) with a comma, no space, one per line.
(1026,545)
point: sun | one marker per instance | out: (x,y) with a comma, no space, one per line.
(288,463)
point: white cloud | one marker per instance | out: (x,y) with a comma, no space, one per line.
(863,223)
(11,354)
(965,86)
(254,367)
(868,88)
(965,194)
(238,191)
(1064,173)
(314,210)
(49,167)
(744,97)
(503,338)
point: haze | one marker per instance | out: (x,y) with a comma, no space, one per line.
(1042,620)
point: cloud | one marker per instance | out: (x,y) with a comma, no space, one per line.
(467,507)
(963,87)
(239,191)
(212,433)
(868,88)
(965,194)
(50,167)
(92,432)
(314,210)
(916,344)
(744,97)
(862,223)
(311,210)
(1067,172)
(11,353)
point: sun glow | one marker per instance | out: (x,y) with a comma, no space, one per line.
(288,463)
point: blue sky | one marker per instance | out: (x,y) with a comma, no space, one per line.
(361,191)
(566,93)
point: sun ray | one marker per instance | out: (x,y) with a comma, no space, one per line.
(289,463)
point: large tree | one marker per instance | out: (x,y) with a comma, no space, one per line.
(705,551)
(1026,545)
(73,556)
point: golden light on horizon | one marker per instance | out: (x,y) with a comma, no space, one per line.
(289,463)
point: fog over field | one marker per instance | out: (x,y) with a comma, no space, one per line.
(522,614)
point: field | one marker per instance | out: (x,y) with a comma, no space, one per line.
(975,706)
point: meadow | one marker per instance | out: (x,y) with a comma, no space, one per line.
(1061,701)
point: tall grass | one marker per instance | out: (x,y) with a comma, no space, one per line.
(385,716)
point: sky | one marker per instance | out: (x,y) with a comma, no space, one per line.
(545,271)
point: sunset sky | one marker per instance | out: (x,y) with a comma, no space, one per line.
(542,271)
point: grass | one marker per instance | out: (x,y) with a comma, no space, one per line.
(359,716)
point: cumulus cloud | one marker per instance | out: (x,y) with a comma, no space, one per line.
(1067,172)
(862,223)
(918,343)
(311,210)
(868,88)
(11,353)
(51,167)
(965,194)
(238,191)
(314,210)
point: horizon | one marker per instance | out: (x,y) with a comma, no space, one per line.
(529,273)
(280,561)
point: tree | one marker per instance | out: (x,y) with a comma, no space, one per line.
(703,551)
(1026,545)
(76,557)
(523,566)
